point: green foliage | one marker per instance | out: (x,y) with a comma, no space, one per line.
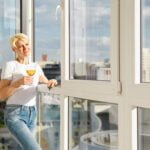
(1,119)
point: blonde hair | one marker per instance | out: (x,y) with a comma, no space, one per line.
(17,37)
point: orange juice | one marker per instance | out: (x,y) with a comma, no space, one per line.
(31,72)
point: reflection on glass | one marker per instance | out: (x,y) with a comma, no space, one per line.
(143,129)
(93,125)
(9,25)
(49,121)
(145,41)
(90,36)
(47,36)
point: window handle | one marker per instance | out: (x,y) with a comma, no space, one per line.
(58,9)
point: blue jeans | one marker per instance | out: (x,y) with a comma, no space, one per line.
(21,122)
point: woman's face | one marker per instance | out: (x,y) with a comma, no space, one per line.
(22,48)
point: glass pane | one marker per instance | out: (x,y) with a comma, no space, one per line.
(90,39)
(145,41)
(49,121)
(9,25)
(47,36)
(143,129)
(93,125)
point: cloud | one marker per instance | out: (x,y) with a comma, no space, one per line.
(146,12)
(42,9)
(101,11)
(94,13)
(98,11)
(94,49)
(44,13)
(11,13)
(104,40)
(99,41)
(97,16)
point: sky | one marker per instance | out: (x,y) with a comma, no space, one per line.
(47,29)
(90,34)
(146,24)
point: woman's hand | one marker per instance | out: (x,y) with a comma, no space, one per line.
(52,83)
(26,80)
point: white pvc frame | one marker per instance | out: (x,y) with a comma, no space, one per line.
(125,90)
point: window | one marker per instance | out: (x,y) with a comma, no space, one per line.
(47,36)
(90,39)
(47,48)
(49,121)
(10,16)
(135,48)
(143,128)
(9,25)
(145,41)
(93,125)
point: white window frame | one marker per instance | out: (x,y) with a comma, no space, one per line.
(88,88)
(135,94)
(92,90)
(27,21)
(125,90)
(139,92)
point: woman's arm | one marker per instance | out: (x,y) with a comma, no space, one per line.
(7,88)
(50,83)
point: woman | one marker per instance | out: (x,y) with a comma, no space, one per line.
(20,91)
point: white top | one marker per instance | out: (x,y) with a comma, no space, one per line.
(25,94)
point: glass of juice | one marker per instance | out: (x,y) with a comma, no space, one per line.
(30,69)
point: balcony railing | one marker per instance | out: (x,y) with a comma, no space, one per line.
(48,124)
